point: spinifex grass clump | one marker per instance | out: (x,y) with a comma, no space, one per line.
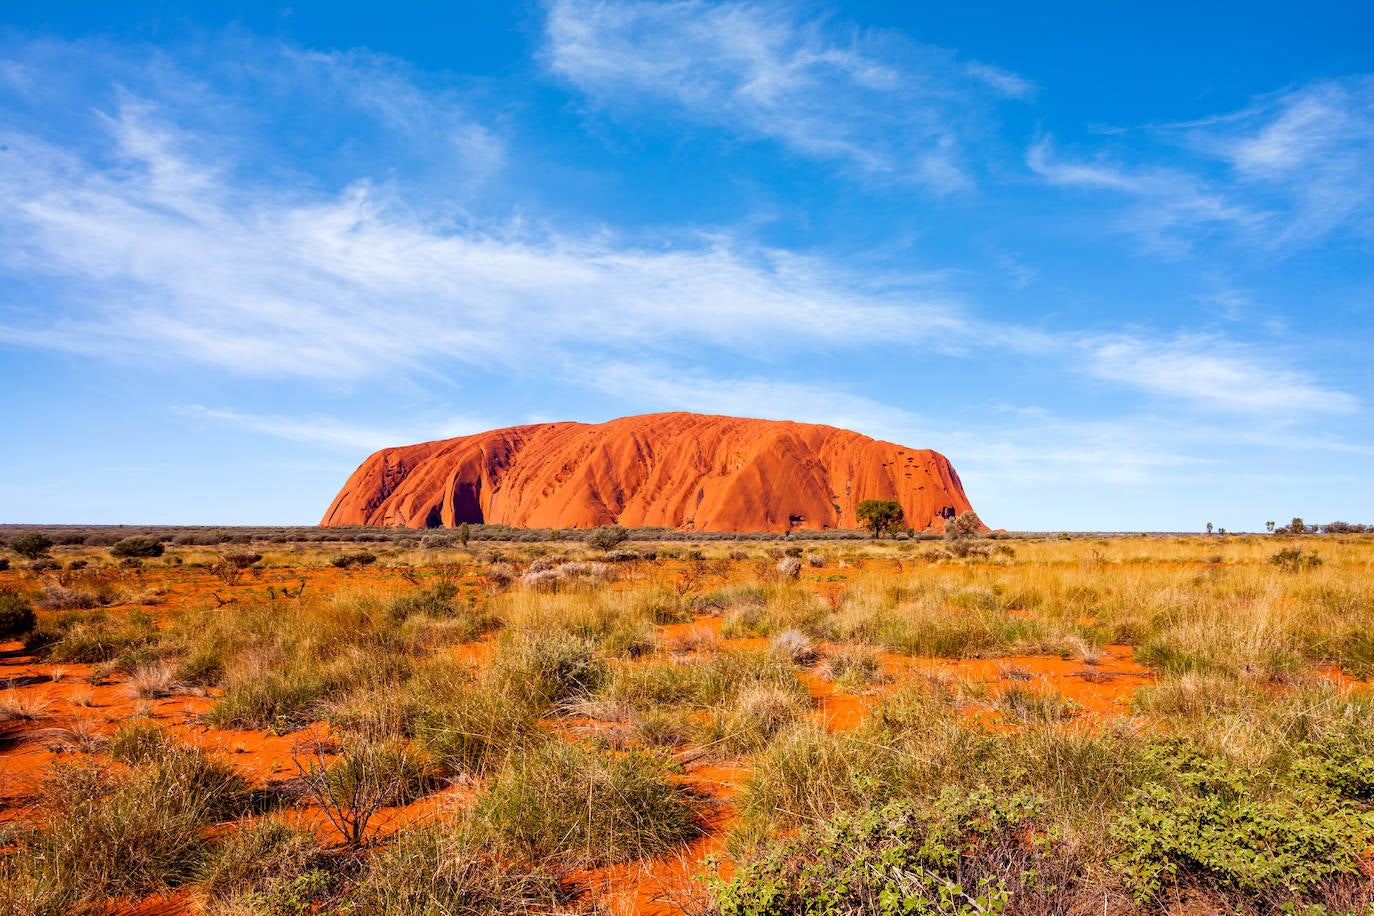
(752,718)
(437,872)
(91,636)
(853,667)
(280,697)
(546,672)
(266,867)
(580,806)
(126,835)
(279,670)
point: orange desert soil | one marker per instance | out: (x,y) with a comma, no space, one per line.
(679,470)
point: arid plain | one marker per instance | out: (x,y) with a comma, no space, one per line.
(290,722)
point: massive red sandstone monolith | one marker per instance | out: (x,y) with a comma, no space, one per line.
(678,470)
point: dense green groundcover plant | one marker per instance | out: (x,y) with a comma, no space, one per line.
(965,854)
(1289,836)
(1212,824)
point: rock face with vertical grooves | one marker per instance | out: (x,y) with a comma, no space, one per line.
(677,470)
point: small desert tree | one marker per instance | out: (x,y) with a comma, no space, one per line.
(961,529)
(31,546)
(366,776)
(880,515)
(607,537)
(464,533)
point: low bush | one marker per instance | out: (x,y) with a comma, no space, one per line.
(242,559)
(1295,559)
(1211,825)
(366,776)
(357,558)
(981,852)
(32,545)
(16,615)
(137,545)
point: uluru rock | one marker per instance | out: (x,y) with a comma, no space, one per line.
(678,470)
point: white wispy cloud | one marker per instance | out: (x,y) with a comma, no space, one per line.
(1172,207)
(155,248)
(1291,169)
(1314,146)
(329,432)
(874,102)
(1212,371)
(164,251)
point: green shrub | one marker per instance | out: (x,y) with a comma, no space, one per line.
(607,537)
(16,615)
(982,852)
(1295,559)
(137,545)
(358,558)
(579,806)
(31,546)
(1339,765)
(1212,826)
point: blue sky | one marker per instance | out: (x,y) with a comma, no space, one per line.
(1114,260)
